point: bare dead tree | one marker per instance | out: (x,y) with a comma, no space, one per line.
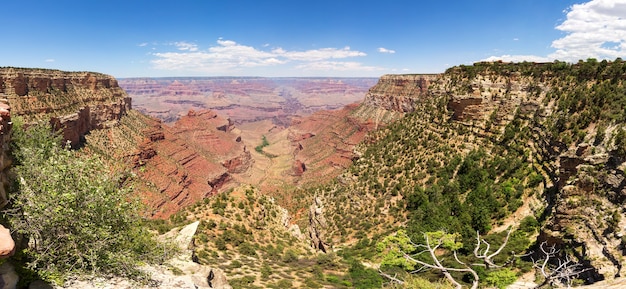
(392,279)
(555,269)
(484,254)
(437,265)
(432,244)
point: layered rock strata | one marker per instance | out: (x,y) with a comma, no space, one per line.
(243,99)
(585,184)
(177,165)
(399,92)
(74,102)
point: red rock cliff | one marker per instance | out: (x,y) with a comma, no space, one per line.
(399,92)
(75,102)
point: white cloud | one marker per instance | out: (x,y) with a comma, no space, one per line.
(319,54)
(49,60)
(385,50)
(590,27)
(337,66)
(595,29)
(228,56)
(518,58)
(144,44)
(186,46)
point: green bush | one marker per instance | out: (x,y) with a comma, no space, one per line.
(415,282)
(290,256)
(243,282)
(282,284)
(247,249)
(266,271)
(75,213)
(501,278)
(364,278)
(529,224)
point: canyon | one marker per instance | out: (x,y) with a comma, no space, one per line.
(243,99)
(288,112)
(297,153)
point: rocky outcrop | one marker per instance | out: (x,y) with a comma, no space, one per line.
(399,92)
(317,226)
(492,99)
(484,100)
(74,102)
(588,210)
(179,272)
(184,163)
(298,168)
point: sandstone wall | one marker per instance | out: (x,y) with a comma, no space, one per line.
(399,92)
(585,180)
(75,102)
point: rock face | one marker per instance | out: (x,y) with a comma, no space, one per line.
(317,226)
(74,102)
(177,165)
(399,92)
(323,143)
(190,275)
(244,99)
(585,190)
(484,97)
(589,206)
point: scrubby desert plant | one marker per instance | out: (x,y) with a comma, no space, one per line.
(74,214)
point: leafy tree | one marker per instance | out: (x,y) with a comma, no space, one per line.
(76,215)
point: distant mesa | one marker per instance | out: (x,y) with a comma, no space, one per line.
(244,99)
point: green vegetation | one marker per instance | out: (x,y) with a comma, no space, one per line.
(263,144)
(424,175)
(426,172)
(364,278)
(75,215)
(501,278)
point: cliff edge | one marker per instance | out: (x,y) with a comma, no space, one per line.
(74,102)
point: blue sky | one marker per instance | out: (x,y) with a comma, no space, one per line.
(303,38)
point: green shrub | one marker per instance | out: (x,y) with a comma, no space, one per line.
(501,278)
(290,256)
(247,249)
(364,278)
(282,284)
(76,214)
(311,283)
(529,224)
(220,243)
(266,271)
(243,282)
(415,282)
(332,279)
